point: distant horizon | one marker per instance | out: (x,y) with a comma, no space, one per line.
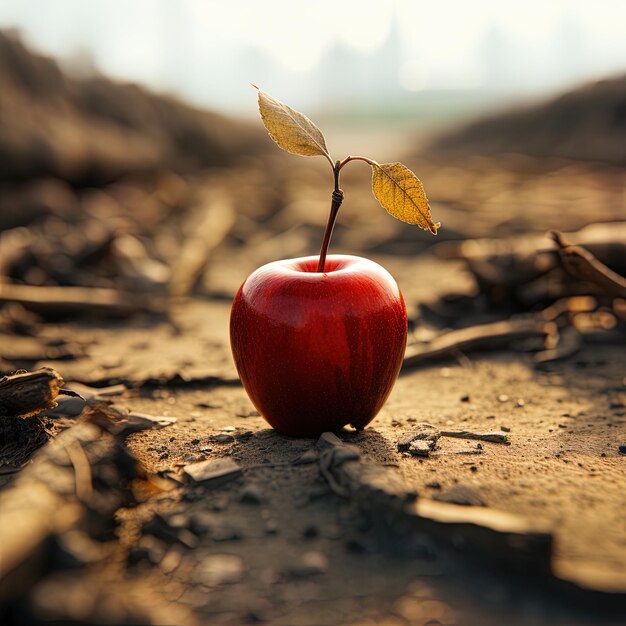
(481,56)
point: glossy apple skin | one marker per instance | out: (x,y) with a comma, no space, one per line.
(316,351)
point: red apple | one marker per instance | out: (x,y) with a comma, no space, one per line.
(316,351)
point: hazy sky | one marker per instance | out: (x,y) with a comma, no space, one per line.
(209,50)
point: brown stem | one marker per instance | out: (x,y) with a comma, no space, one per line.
(334,206)
(337,199)
(355,158)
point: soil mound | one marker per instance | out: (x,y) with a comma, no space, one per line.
(588,123)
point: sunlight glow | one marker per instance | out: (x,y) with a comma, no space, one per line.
(209,50)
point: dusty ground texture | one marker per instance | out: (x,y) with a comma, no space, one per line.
(166,210)
(276,545)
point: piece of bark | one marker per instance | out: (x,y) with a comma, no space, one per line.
(495,335)
(582,264)
(347,474)
(29,393)
(119,421)
(77,481)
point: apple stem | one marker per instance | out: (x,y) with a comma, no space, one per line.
(334,206)
(337,199)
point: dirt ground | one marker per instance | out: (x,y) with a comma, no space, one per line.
(277,546)
(125,232)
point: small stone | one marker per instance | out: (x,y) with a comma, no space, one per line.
(503,398)
(465,398)
(622,449)
(308,456)
(271,527)
(434,484)
(251,495)
(221,569)
(479,446)
(229,429)
(311,564)
(222,438)
(310,532)
(505,429)
(328,440)
(420,448)
(244,436)
(218,471)
(520,402)
(421,432)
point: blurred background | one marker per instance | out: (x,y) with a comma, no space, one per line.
(132,156)
(139,188)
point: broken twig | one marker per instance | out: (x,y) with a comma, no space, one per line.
(583,265)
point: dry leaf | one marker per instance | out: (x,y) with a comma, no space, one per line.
(401,193)
(291,130)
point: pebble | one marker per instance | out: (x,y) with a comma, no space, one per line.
(222,438)
(271,527)
(310,564)
(308,456)
(221,569)
(328,440)
(310,532)
(421,432)
(622,449)
(465,398)
(420,448)
(505,429)
(503,398)
(244,436)
(251,495)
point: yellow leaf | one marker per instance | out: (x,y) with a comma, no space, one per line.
(291,130)
(401,193)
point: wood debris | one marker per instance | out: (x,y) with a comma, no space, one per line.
(214,472)
(492,336)
(495,436)
(583,265)
(29,393)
